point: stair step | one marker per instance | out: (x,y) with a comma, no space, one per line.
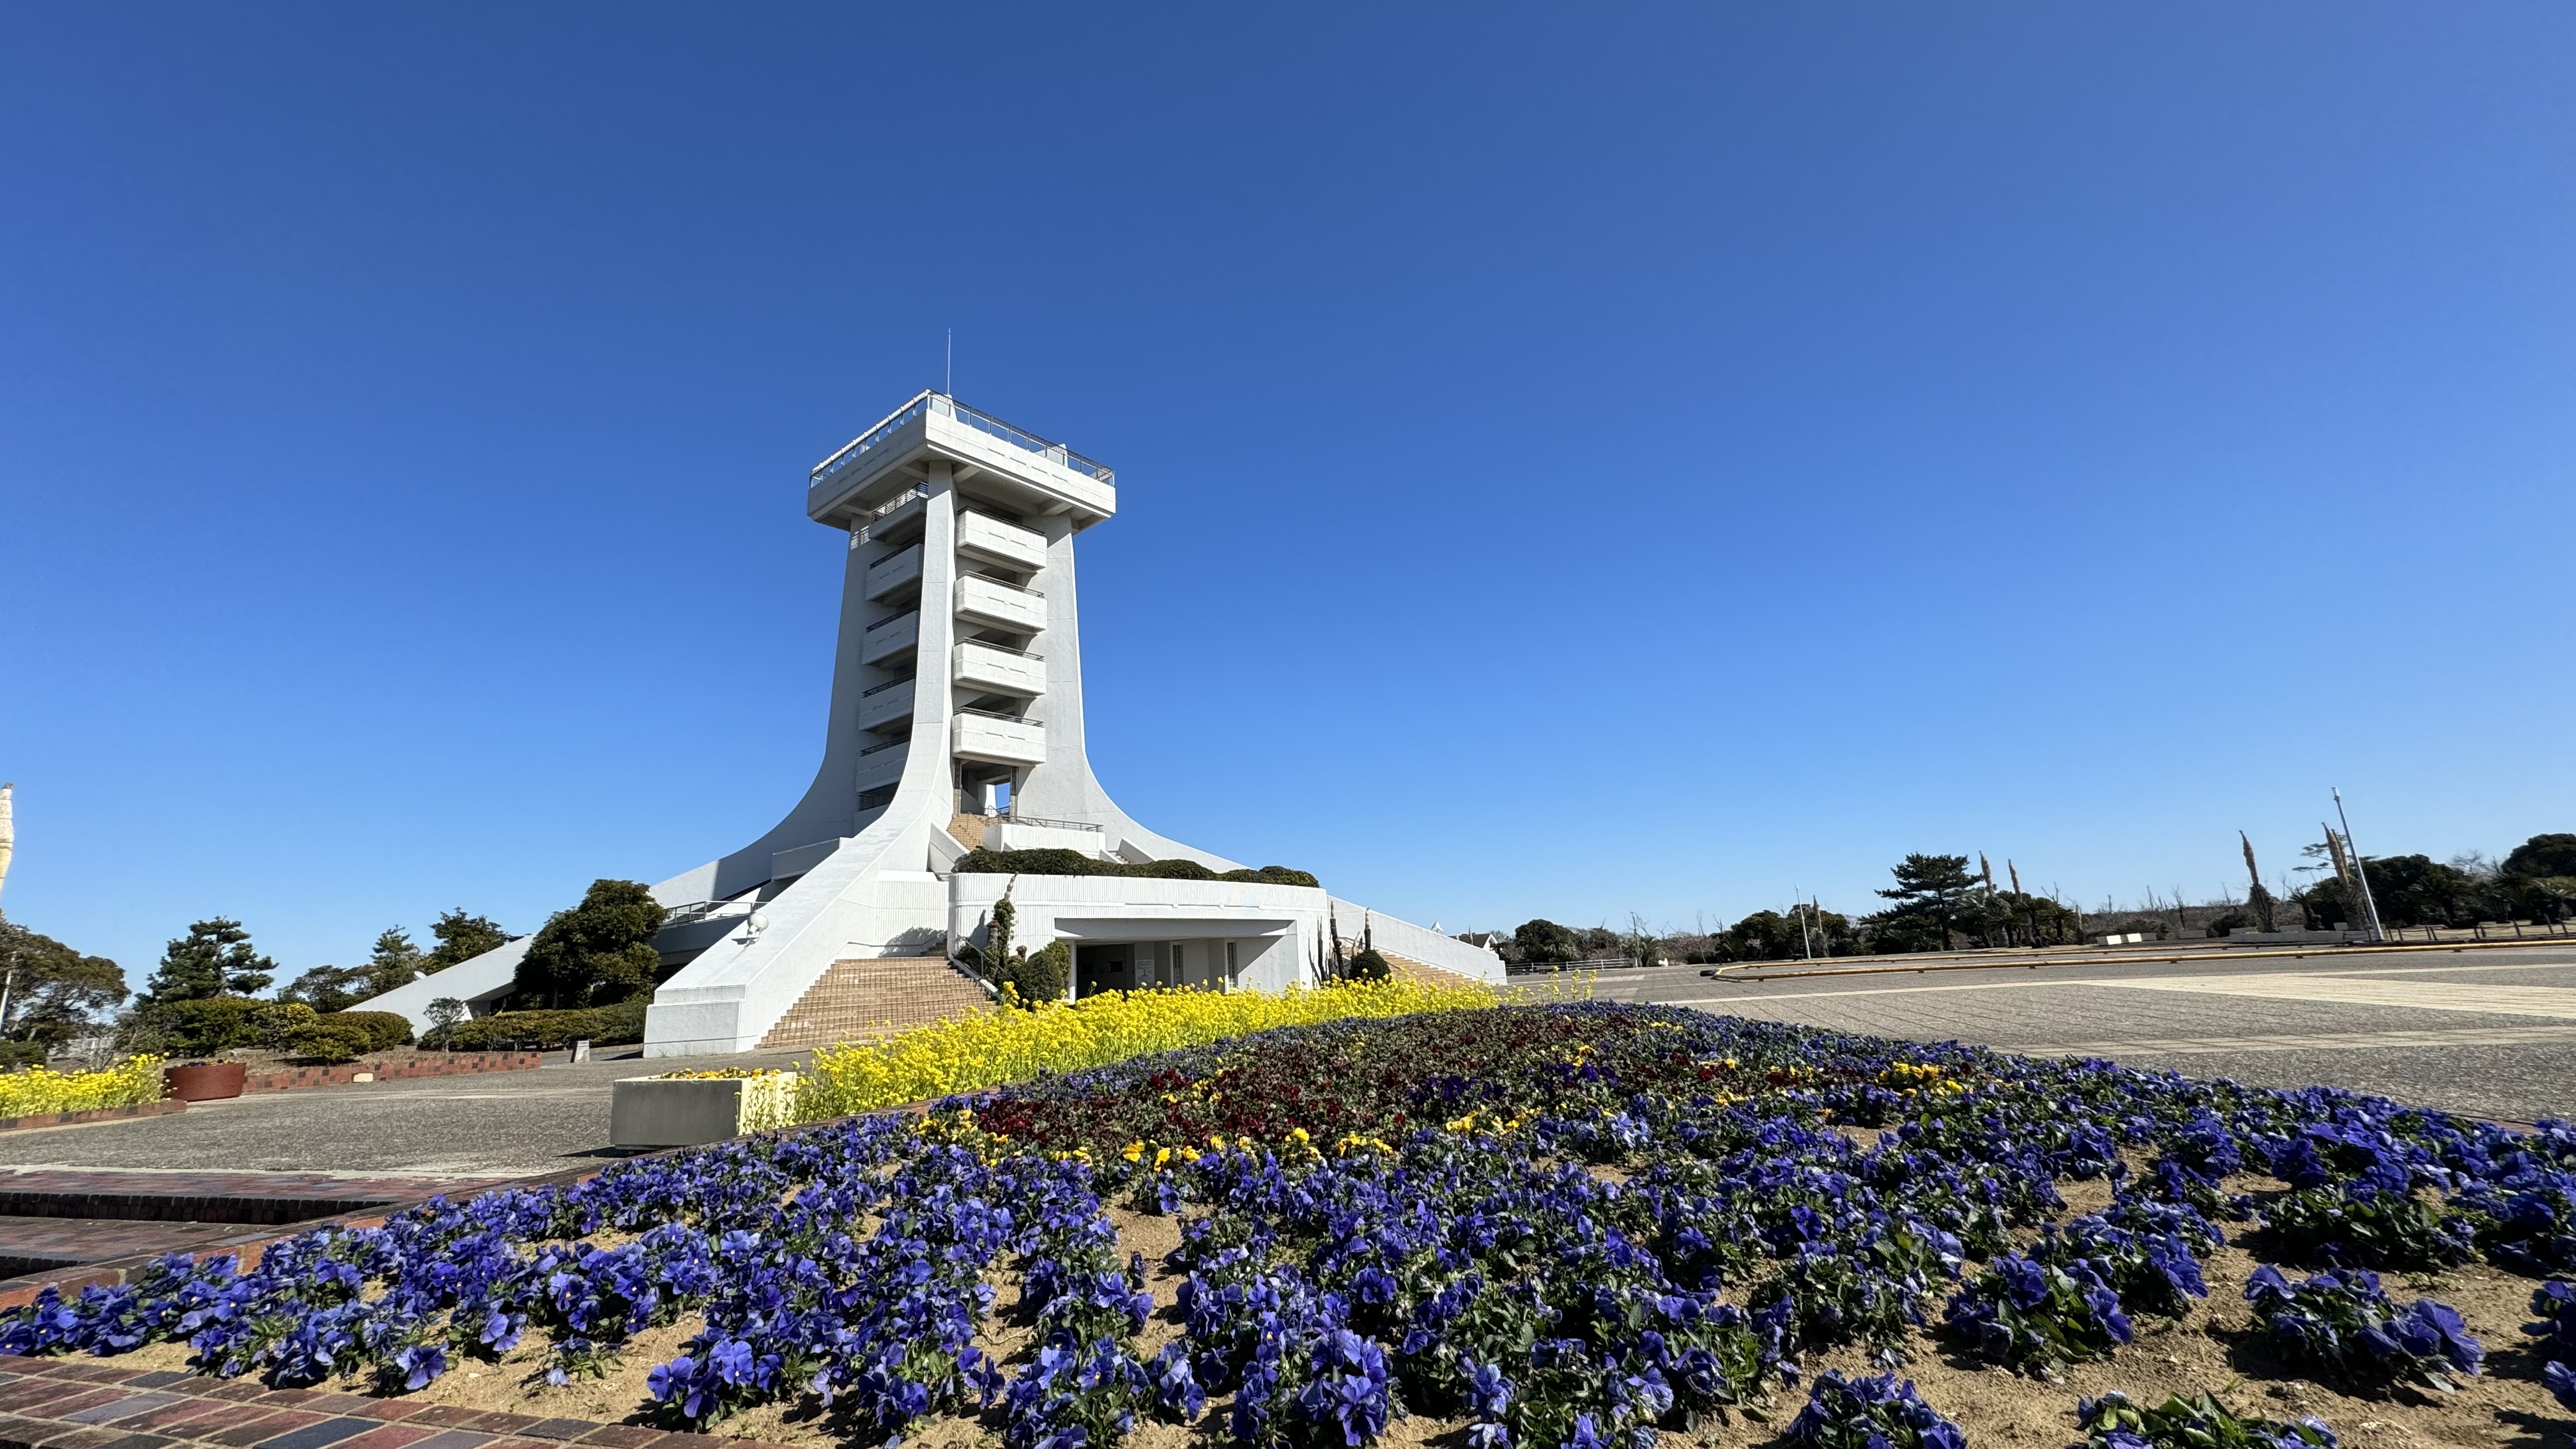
(1410,969)
(872,998)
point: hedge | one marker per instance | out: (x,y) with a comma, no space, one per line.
(1043,975)
(384,1030)
(618,1025)
(1074,862)
(196,1028)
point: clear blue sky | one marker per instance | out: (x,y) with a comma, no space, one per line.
(1579,460)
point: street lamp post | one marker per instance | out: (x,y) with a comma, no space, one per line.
(2360,872)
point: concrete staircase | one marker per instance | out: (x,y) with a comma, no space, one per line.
(1408,969)
(873,998)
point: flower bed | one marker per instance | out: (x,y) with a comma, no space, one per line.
(1007,1046)
(34,1091)
(1587,1226)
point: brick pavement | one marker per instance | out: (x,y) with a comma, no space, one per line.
(55,1220)
(68,1403)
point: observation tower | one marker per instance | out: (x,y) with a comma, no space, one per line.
(955,722)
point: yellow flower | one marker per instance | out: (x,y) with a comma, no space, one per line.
(30,1091)
(1162,1159)
(992,1048)
(1133,1151)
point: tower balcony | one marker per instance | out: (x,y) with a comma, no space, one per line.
(884,704)
(992,604)
(997,738)
(1003,671)
(982,535)
(881,764)
(891,638)
(894,573)
(1019,469)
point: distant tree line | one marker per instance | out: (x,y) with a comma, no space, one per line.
(2536,881)
(1938,903)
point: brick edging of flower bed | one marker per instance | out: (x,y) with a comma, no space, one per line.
(163,1107)
(70,1403)
(287,1079)
(112,1272)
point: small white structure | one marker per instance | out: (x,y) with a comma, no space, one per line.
(956,719)
(685,1111)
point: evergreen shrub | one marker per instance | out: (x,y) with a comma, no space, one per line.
(1057,861)
(384,1030)
(196,1027)
(619,1025)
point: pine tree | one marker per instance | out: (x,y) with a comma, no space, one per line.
(215,958)
(598,953)
(395,961)
(1930,890)
(461,938)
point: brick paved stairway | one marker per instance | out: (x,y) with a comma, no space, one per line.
(1411,970)
(864,1000)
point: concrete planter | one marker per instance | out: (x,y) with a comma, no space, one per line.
(685,1111)
(203,1081)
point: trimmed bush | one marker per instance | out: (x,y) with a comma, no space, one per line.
(328,1040)
(1043,976)
(273,1024)
(1370,966)
(384,1030)
(197,1027)
(618,1025)
(1074,862)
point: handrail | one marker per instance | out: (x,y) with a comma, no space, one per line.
(850,452)
(969,508)
(889,684)
(698,911)
(997,714)
(866,532)
(888,745)
(892,619)
(1000,649)
(1016,819)
(931,400)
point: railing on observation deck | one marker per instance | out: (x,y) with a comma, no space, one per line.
(935,402)
(1017,819)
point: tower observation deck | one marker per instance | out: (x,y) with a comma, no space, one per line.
(955,721)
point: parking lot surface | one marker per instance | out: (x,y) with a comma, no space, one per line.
(2486,1031)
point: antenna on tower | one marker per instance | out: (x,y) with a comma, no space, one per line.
(948,384)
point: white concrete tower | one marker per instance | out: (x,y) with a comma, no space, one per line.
(956,718)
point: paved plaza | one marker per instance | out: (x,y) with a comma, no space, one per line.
(498,1124)
(2486,1031)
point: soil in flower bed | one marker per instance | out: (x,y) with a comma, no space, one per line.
(1631,1228)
